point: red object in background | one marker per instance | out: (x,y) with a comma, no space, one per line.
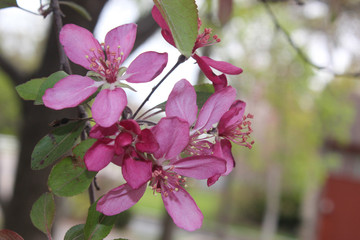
(339,217)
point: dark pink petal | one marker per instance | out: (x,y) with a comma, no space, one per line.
(119,199)
(183,209)
(98,131)
(146,67)
(213,180)
(98,156)
(200,167)
(131,125)
(80,45)
(120,41)
(146,142)
(108,106)
(172,134)
(118,160)
(232,117)
(217,104)
(136,172)
(222,66)
(182,102)
(123,139)
(69,92)
(205,68)
(165,30)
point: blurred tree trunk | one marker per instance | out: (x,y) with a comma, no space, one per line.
(30,184)
(273,193)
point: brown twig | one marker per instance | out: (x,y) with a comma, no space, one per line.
(301,54)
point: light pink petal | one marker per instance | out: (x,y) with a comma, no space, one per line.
(200,167)
(120,41)
(232,117)
(165,30)
(108,106)
(217,104)
(222,66)
(146,142)
(78,43)
(182,102)
(172,134)
(183,209)
(146,67)
(136,172)
(98,156)
(98,131)
(119,199)
(69,92)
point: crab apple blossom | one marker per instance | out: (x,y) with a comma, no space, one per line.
(168,170)
(106,61)
(205,63)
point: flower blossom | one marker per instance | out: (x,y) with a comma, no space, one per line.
(167,176)
(205,63)
(105,61)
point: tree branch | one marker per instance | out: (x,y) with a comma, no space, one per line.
(301,54)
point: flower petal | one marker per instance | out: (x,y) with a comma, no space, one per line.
(146,67)
(200,167)
(99,132)
(172,134)
(232,117)
(131,125)
(182,102)
(108,106)
(146,142)
(120,41)
(98,156)
(222,66)
(218,81)
(119,199)
(69,92)
(216,105)
(183,209)
(78,43)
(136,172)
(165,30)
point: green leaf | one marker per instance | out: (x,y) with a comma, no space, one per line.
(182,19)
(203,92)
(98,225)
(54,145)
(80,149)
(78,8)
(30,89)
(49,83)
(8,3)
(69,178)
(75,233)
(43,212)
(206,87)
(6,234)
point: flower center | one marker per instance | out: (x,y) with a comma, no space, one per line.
(205,39)
(239,133)
(165,181)
(108,67)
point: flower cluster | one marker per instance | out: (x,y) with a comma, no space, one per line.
(186,142)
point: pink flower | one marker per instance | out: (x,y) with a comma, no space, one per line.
(205,63)
(117,143)
(105,60)
(167,171)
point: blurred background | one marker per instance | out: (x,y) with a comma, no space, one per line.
(301,62)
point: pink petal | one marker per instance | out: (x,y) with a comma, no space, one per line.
(136,172)
(98,156)
(131,125)
(120,41)
(217,104)
(108,106)
(165,30)
(172,134)
(182,102)
(123,139)
(183,209)
(119,199)
(98,131)
(78,43)
(69,92)
(232,117)
(146,67)
(222,66)
(199,167)
(146,142)
(205,68)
